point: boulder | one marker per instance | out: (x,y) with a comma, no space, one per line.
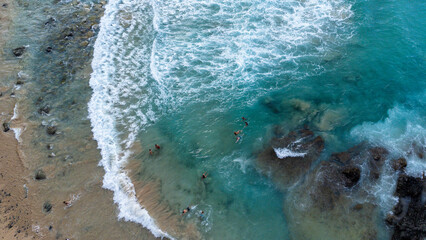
(44,110)
(18,51)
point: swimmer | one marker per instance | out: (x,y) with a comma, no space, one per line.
(68,203)
(204,175)
(244,119)
(238,139)
(150,152)
(202,215)
(157,146)
(246,123)
(186,210)
(238,132)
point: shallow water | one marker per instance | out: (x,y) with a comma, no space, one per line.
(181,74)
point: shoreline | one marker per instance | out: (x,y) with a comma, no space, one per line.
(69,157)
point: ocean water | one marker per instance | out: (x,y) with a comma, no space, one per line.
(182,74)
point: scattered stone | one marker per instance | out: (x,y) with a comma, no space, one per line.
(18,51)
(49,49)
(399,164)
(51,155)
(40,175)
(51,130)
(6,127)
(49,146)
(378,153)
(19,82)
(50,21)
(4,5)
(47,207)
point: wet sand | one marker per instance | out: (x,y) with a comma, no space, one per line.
(34,209)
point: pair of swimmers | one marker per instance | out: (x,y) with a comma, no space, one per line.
(186,210)
(240,131)
(156,146)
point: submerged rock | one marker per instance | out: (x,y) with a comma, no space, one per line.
(352,175)
(18,51)
(290,157)
(408,186)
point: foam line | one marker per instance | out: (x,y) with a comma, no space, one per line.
(101,113)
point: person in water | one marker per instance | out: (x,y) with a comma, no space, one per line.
(238,132)
(246,123)
(150,152)
(157,146)
(68,203)
(186,210)
(204,175)
(202,215)
(244,119)
(238,139)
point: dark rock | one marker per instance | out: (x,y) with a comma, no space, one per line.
(4,5)
(18,51)
(51,130)
(411,223)
(399,164)
(6,127)
(352,174)
(19,82)
(378,153)
(40,175)
(47,207)
(408,186)
(358,207)
(44,110)
(300,149)
(49,49)
(390,219)
(397,210)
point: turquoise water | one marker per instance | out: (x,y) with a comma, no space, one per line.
(181,74)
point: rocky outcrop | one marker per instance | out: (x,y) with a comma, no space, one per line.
(291,156)
(408,218)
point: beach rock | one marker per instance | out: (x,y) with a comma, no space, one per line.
(51,130)
(288,158)
(40,175)
(399,164)
(408,186)
(347,156)
(6,127)
(18,51)
(49,49)
(19,82)
(47,207)
(50,21)
(378,153)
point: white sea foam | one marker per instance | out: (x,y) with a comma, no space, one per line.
(15,112)
(110,92)
(401,132)
(17,132)
(285,152)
